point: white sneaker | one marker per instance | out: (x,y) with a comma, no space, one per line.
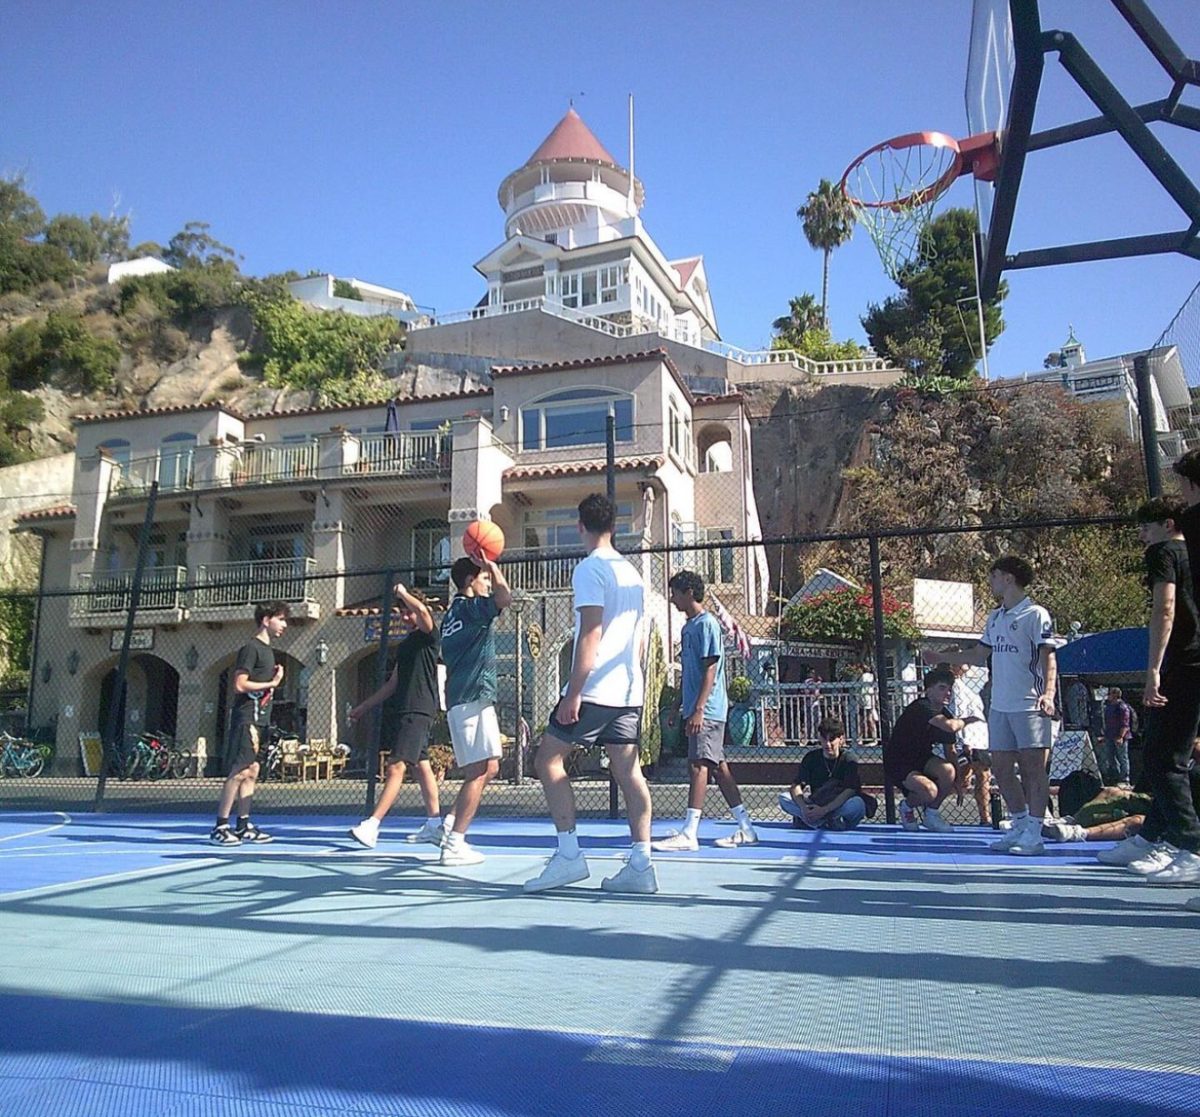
(434,834)
(1183,869)
(908,816)
(933,821)
(630,879)
(461,854)
(677,841)
(1123,853)
(1161,854)
(1010,838)
(366,833)
(1063,831)
(559,870)
(1193,904)
(1029,839)
(742,836)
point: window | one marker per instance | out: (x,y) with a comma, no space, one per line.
(576,417)
(175,461)
(556,530)
(611,279)
(167,549)
(589,288)
(118,450)
(675,430)
(552,238)
(431,553)
(570,289)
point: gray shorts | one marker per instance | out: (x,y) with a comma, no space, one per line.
(1027,729)
(708,746)
(599,725)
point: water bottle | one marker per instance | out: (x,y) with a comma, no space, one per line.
(996,809)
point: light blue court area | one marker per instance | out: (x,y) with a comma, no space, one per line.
(871,973)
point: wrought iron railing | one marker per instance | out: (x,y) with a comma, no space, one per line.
(245,583)
(112,593)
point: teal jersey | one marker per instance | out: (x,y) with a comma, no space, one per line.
(469,650)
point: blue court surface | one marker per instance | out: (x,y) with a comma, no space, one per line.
(870,973)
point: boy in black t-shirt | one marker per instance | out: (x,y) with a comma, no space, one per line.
(412,692)
(909,761)
(833,799)
(256,677)
(1167,851)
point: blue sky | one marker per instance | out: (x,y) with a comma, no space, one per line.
(369,138)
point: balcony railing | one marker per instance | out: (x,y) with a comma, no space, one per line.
(402,452)
(172,471)
(536,571)
(262,463)
(245,583)
(108,594)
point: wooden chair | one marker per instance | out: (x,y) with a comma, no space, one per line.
(318,749)
(297,758)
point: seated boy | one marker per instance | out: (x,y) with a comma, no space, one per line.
(834,799)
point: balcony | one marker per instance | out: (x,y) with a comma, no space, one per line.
(227,590)
(401,453)
(172,471)
(532,570)
(103,600)
(264,463)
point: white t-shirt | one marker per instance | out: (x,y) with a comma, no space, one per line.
(1016,637)
(964,702)
(608,580)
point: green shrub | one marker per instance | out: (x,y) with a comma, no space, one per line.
(18,414)
(739,689)
(34,352)
(344,289)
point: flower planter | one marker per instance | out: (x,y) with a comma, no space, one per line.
(740,726)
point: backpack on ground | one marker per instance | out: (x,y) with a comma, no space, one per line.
(1076,789)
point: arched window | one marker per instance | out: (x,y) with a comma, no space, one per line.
(118,450)
(175,461)
(575,417)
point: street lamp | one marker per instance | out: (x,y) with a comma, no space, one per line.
(322,653)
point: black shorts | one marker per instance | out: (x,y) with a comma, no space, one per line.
(242,746)
(411,742)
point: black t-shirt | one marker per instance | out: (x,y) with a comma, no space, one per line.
(816,770)
(913,739)
(1168,562)
(258,661)
(1189,524)
(416,674)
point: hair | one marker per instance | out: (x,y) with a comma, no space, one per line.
(270,609)
(1160,510)
(1188,466)
(597,514)
(687,581)
(939,675)
(463,572)
(831,728)
(1021,571)
(1115,690)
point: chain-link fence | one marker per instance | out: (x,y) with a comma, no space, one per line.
(841,633)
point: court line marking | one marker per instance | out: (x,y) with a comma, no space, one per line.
(66,821)
(106,878)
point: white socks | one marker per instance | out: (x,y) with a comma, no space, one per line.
(639,856)
(741,815)
(568,844)
(691,822)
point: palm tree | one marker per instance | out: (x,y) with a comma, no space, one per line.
(803,315)
(828,224)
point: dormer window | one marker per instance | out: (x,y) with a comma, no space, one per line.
(575,417)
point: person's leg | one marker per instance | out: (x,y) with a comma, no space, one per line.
(1035,782)
(556,784)
(1004,766)
(1169,756)
(941,772)
(475,778)
(391,788)
(981,788)
(919,790)
(848,815)
(1116,831)
(230,793)
(428,784)
(1106,760)
(1122,750)
(627,771)
(728,785)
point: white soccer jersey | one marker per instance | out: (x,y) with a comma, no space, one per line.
(1016,637)
(609,580)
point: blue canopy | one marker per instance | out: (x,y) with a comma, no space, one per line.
(1121,651)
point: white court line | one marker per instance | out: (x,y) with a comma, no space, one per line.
(66,821)
(107,878)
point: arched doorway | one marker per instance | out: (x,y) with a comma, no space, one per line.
(151,699)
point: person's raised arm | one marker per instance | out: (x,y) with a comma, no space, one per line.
(421,614)
(501,590)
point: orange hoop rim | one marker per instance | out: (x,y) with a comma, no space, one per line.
(899,143)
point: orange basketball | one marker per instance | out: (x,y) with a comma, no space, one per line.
(483,539)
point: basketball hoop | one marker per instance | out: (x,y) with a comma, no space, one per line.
(893,187)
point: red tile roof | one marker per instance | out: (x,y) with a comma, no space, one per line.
(569,469)
(105,416)
(54,512)
(571,139)
(585,362)
(728,397)
(685,268)
(429,397)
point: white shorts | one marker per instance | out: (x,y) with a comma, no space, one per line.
(474,731)
(1026,729)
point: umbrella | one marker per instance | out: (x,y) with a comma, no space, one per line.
(391,426)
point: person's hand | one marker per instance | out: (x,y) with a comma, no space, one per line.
(810,814)
(400,590)
(972,719)
(568,711)
(1045,705)
(277,678)
(353,716)
(694,724)
(1151,694)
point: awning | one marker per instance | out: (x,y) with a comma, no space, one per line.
(1121,651)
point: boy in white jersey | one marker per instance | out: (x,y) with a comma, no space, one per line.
(1019,639)
(601,704)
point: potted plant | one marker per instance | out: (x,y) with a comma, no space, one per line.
(670,721)
(441,760)
(740,721)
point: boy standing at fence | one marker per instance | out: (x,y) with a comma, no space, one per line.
(601,704)
(412,689)
(469,653)
(256,677)
(704,710)
(1019,638)
(1167,851)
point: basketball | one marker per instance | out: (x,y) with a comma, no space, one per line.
(483,539)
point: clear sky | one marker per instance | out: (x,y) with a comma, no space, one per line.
(369,138)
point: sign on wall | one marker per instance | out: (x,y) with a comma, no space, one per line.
(373,629)
(140,640)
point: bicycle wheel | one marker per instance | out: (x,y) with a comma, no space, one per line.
(34,764)
(181,763)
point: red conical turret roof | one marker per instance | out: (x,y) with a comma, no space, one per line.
(571,139)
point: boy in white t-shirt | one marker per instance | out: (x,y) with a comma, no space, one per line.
(601,704)
(1020,642)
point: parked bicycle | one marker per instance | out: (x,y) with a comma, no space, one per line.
(21,758)
(149,756)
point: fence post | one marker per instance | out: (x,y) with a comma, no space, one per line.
(881,668)
(381,673)
(519,660)
(116,705)
(1145,405)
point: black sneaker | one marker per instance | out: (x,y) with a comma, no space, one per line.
(223,836)
(252,833)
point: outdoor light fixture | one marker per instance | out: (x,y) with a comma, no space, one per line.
(191,658)
(322,653)
(504,413)
(46,670)
(73,662)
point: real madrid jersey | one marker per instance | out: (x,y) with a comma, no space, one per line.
(1016,637)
